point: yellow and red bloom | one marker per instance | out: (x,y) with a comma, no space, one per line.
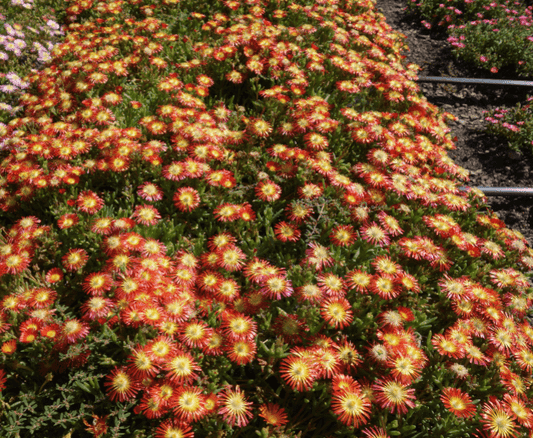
(75,259)
(186,199)
(458,402)
(121,385)
(188,404)
(273,414)
(89,202)
(497,421)
(393,395)
(234,407)
(298,372)
(337,312)
(351,406)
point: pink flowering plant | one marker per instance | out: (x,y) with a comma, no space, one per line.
(239,218)
(491,34)
(514,124)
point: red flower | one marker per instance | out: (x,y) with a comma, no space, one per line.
(273,414)
(121,385)
(235,409)
(186,199)
(268,191)
(343,235)
(375,235)
(241,352)
(181,368)
(174,428)
(3,379)
(393,395)
(67,221)
(497,421)
(75,259)
(9,347)
(73,330)
(287,232)
(98,283)
(458,402)
(54,275)
(337,312)
(231,258)
(188,403)
(146,215)
(298,372)
(89,202)
(351,406)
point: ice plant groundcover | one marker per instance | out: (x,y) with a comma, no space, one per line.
(239,218)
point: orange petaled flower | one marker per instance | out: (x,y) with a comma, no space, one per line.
(268,191)
(287,232)
(15,263)
(384,286)
(405,368)
(241,352)
(238,327)
(160,349)
(75,259)
(318,256)
(458,402)
(89,202)
(394,396)
(150,192)
(146,215)
(188,403)
(142,366)
(121,385)
(181,368)
(186,199)
(518,410)
(260,127)
(195,334)
(277,286)
(173,428)
(234,408)
(9,347)
(497,421)
(231,258)
(273,414)
(73,330)
(337,312)
(447,347)
(343,235)
(375,432)
(351,406)
(358,280)
(96,307)
(375,235)
(54,275)
(298,372)
(68,221)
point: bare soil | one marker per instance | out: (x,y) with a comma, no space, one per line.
(488,158)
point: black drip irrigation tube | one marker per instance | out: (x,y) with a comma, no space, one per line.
(503,191)
(487,191)
(467,81)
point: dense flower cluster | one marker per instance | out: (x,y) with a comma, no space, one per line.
(281,243)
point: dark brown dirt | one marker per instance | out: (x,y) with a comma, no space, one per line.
(488,158)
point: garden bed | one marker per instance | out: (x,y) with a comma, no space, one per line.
(487,157)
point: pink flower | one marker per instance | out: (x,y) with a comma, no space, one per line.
(494,70)
(483,58)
